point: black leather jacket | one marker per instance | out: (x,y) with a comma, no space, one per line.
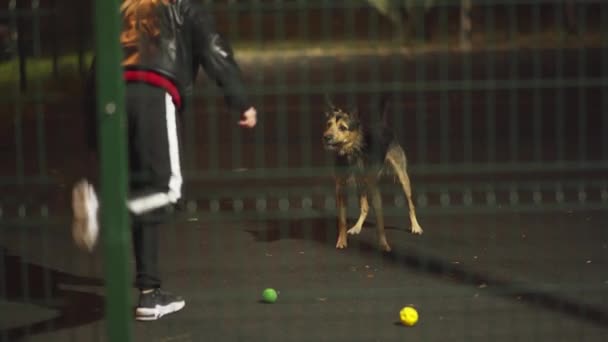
(188,41)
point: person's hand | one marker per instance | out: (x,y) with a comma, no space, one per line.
(249,118)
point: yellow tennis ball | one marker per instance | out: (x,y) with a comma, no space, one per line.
(408,316)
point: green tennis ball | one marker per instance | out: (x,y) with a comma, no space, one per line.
(269,295)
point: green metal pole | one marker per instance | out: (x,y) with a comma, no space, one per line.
(113,158)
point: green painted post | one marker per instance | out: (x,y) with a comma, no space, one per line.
(113,158)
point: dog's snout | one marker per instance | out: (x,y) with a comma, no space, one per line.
(327,138)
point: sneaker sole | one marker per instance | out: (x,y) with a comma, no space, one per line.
(84,226)
(148,314)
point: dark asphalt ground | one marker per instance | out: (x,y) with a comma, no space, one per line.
(529,270)
(503,277)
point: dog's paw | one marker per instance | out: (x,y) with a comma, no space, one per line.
(416,230)
(341,244)
(356,229)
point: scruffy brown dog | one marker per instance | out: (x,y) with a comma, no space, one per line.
(362,156)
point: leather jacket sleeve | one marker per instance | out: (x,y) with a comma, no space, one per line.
(216,57)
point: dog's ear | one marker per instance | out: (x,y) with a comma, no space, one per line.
(330,108)
(384,105)
(328,103)
(355,120)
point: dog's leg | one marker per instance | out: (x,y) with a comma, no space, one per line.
(356,229)
(396,158)
(407,188)
(341,207)
(377,205)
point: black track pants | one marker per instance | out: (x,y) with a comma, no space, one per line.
(155,177)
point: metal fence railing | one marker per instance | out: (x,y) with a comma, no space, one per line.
(501,107)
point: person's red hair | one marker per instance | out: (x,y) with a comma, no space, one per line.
(140,28)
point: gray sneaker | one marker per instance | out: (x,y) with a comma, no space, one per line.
(156,304)
(85,228)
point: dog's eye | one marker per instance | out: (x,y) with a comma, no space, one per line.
(343,128)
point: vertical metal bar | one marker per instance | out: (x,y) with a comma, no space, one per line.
(604,75)
(396,104)
(212,132)
(46,276)
(326,27)
(559,98)
(21,48)
(12,23)
(375,79)
(18,124)
(259,128)
(35,15)
(113,171)
(537,105)
(305,110)
(54,47)
(25,279)
(582,93)
(326,36)
(80,26)
(466,25)
(233,16)
(281,114)
(189,138)
(282,124)
(237,137)
(40,133)
(305,114)
(513,94)
(3,276)
(189,130)
(444,118)
(491,91)
(467,108)
(421,108)
(350,67)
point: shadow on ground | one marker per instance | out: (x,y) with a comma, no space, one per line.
(323,231)
(33,284)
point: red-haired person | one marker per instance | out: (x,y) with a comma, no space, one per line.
(165,42)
